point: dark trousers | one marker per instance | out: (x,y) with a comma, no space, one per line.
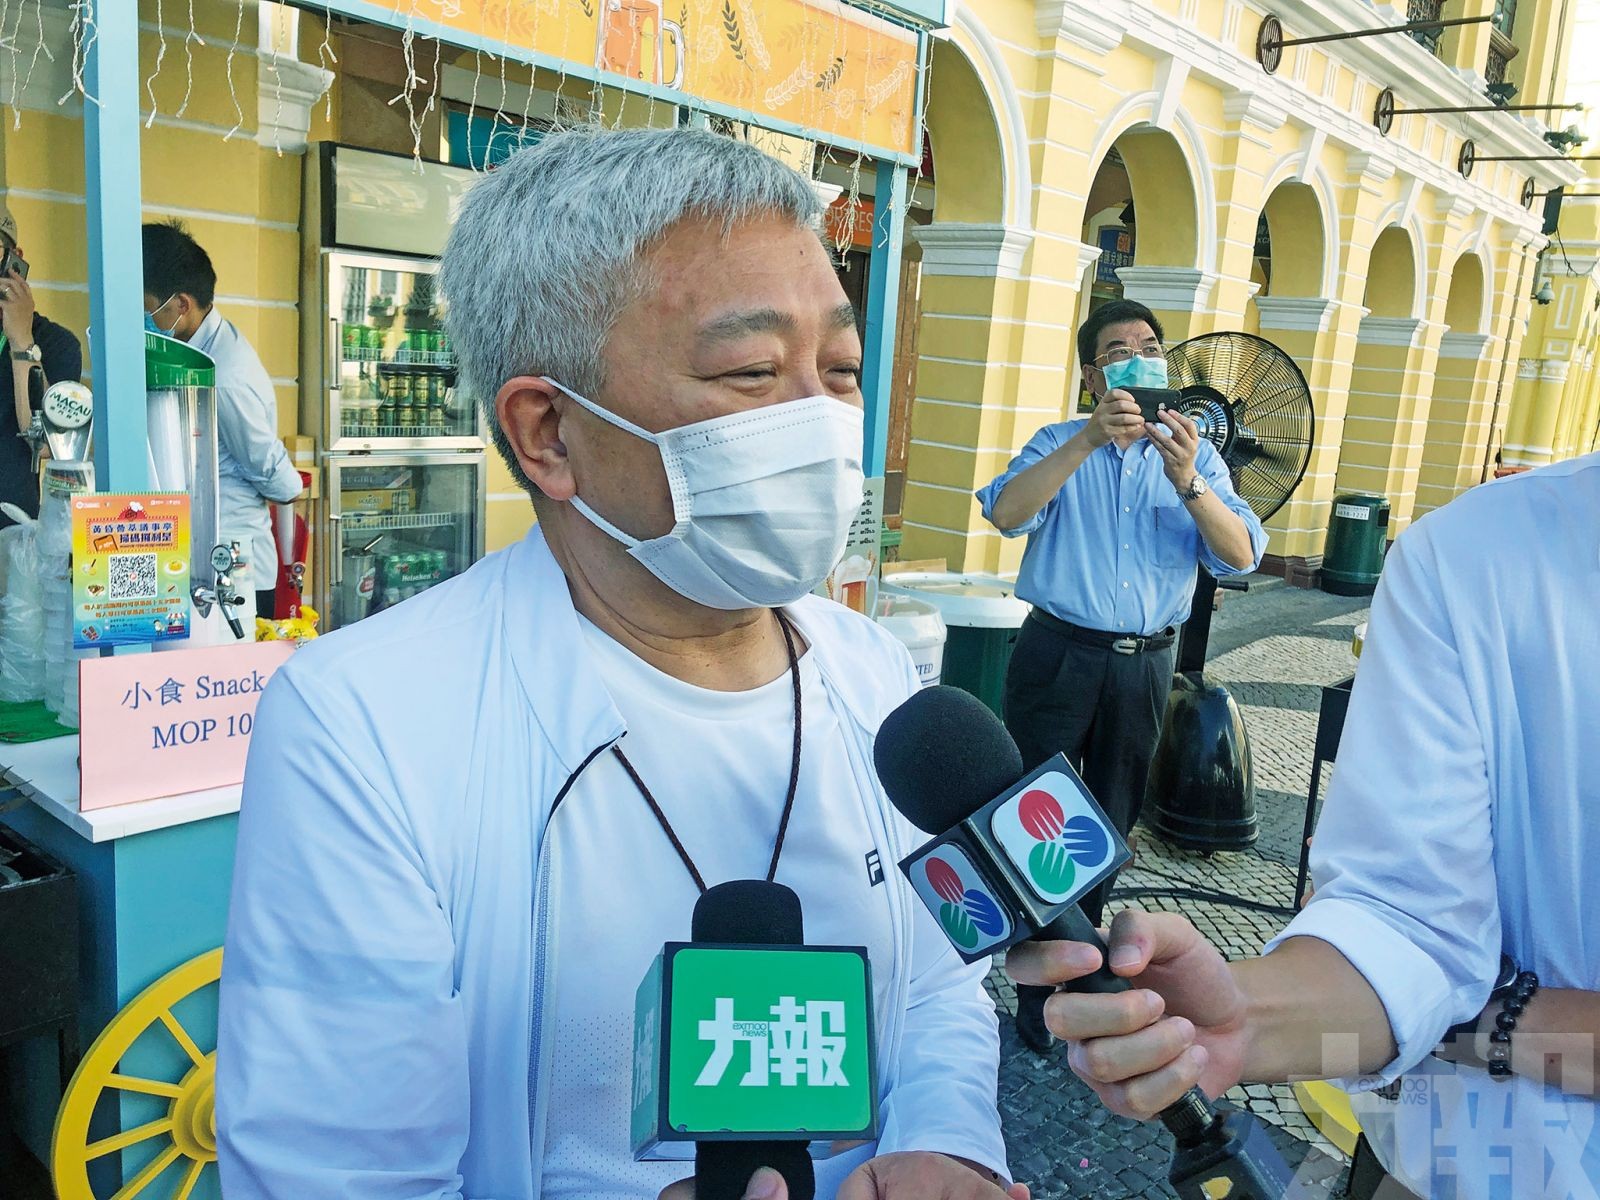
(266,601)
(1102,710)
(1369,1181)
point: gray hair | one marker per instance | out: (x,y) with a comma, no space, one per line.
(546,249)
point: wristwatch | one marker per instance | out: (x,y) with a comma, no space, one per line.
(32,354)
(1196,489)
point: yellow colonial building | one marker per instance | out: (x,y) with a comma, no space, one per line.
(1556,413)
(1076,150)
(1082,149)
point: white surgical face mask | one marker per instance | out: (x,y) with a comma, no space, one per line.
(761,501)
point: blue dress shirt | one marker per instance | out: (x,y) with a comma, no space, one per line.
(1115,549)
(253,465)
(1464,817)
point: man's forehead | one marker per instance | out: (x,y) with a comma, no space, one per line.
(1134,332)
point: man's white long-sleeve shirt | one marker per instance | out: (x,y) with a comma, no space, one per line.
(387,1019)
(1464,817)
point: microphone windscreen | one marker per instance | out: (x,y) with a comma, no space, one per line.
(942,755)
(749,911)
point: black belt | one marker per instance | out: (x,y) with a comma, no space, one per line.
(1120,643)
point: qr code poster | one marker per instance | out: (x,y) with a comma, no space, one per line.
(130,569)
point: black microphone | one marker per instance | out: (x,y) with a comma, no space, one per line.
(750,912)
(1013,851)
(753,1045)
(945,760)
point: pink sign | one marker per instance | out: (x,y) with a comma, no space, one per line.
(164,724)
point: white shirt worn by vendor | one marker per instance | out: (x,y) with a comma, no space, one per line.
(726,812)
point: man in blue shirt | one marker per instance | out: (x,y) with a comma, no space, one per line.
(1119,512)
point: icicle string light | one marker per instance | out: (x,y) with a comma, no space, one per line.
(408,45)
(161,57)
(39,47)
(277,97)
(500,102)
(11,45)
(325,55)
(85,33)
(189,41)
(233,93)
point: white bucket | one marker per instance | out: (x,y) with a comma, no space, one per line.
(971,601)
(921,629)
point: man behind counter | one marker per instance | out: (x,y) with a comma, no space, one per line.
(40,353)
(253,466)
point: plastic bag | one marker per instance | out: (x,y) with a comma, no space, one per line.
(22,616)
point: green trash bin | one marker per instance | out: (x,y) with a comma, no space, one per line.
(1357,536)
(981,614)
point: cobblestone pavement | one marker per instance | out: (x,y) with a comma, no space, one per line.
(1274,647)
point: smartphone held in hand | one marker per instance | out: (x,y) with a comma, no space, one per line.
(1152,400)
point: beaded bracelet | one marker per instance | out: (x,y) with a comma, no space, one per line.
(1511,1007)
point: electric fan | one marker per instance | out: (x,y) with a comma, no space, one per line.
(1251,402)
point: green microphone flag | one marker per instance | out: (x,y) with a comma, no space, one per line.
(743,1042)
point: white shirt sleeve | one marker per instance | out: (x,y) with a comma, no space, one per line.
(1403,857)
(342,1047)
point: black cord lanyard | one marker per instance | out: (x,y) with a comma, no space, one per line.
(794,777)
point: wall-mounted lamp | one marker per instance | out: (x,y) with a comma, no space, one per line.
(1545,295)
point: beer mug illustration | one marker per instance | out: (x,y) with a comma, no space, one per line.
(630,42)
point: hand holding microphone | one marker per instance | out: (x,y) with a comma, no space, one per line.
(1182,1026)
(1011,854)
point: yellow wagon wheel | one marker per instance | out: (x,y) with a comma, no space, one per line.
(185,1137)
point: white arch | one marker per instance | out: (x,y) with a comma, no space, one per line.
(1140,109)
(983,55)
(1290,169)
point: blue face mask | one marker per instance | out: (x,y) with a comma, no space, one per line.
(1137,371)
(150,321)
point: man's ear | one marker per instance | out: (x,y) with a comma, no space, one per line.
(1088,382)
(528,417)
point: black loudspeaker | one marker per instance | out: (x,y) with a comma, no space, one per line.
(1552,209)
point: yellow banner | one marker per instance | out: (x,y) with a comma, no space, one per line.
(818,64)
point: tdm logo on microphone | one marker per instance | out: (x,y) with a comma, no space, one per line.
(954,892)
(1057,840)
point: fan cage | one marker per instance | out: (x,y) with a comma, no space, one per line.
(1253,404)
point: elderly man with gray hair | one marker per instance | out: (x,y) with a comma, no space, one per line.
(470,822)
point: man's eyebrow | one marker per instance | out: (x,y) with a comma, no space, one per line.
(767,320)
(742,324)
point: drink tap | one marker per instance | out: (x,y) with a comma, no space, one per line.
(34,435)
(225,561)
